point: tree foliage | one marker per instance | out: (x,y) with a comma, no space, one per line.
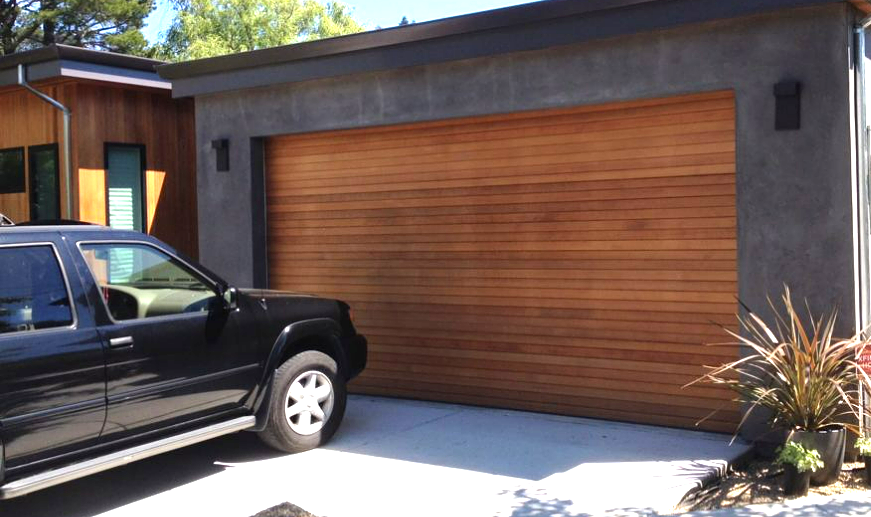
(206,28)
(113,25)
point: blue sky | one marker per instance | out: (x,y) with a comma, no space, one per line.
(371,13)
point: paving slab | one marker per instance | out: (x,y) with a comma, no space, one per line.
(402,458)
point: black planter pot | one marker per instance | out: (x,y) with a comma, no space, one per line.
(867,470)
(830,444)
(795,483)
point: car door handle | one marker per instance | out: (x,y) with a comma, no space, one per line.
(121,342)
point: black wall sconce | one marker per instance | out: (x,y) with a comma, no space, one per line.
(787,105)
(222,154)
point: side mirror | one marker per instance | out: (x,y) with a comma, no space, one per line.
(231,299)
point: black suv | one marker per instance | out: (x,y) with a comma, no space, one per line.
(114,348)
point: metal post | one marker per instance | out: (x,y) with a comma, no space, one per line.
(22,81)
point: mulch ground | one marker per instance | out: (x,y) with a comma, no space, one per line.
(284,510)
(760,482)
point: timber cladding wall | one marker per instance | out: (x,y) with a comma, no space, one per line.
(571,261)
(26,120)
(106,113)
(166,128)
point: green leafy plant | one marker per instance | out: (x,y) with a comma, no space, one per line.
(806,377)
(797,455)
(863,443)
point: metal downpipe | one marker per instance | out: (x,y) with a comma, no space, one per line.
(22,81)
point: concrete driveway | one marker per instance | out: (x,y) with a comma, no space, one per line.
(404,458)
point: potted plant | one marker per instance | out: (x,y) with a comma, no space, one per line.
(863,443)
(799,462)
(803,375)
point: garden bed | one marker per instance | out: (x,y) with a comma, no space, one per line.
(761,482)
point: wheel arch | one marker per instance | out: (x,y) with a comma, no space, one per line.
(320,335)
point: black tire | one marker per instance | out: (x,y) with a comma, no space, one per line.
(279,432)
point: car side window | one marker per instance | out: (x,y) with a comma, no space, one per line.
(33,292)
(139,281)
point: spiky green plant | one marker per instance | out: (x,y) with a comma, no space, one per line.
(806,377)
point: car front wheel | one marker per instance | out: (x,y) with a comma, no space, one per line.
(308,403)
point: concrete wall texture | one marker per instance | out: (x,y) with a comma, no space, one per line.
(793,187)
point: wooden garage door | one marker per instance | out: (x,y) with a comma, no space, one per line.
(570,261)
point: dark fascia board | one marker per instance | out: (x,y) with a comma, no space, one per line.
(521,14)
(327,58)
(66,52)
(62,61)
(526,14)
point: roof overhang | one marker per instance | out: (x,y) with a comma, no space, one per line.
(533,26)
(62,61)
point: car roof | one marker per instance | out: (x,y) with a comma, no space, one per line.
(63,228)
(77,232)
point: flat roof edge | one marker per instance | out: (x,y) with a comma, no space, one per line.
(538,11)
(508,17)
(70,53)
(566,30)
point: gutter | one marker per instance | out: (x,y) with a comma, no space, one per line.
(22,81)
(862,199)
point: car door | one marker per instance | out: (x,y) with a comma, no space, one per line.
(52,379)
(173,353)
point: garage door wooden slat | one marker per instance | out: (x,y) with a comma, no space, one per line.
(593,379)
(527,138)
(542,303)
(574,260)
(460,354)
(531,119)
(593,275)
(553,281)
(625,332)
(495,349)
(638,216)
(549,126)
(520,236)
(477,198)
(608,206)
(559,374)
(289,229)
(641,394)
(292,192)
(590,315)
(552,145)
(667,167)
(506,159)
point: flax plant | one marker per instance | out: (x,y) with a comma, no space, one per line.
(805,376)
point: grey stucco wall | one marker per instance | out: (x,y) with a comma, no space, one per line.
(793,187)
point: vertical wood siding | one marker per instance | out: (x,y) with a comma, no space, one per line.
(25,121)
(165,127)
(104,113)
(571,261)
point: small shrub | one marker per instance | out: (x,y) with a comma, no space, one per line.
(797,455)
(863,443)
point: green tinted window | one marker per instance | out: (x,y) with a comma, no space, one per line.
(12,170)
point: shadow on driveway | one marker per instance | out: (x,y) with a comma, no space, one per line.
(118,487)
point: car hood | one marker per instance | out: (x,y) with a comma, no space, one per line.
(273,293)
(281,308)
